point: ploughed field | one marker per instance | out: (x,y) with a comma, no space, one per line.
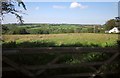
(61,40)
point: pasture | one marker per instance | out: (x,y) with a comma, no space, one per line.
(61,40)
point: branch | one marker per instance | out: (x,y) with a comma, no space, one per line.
(19,17)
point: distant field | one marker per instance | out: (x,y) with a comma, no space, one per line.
(61,40)
(51,29)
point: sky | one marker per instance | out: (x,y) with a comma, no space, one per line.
(66,12)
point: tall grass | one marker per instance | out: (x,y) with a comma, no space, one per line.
(61,40)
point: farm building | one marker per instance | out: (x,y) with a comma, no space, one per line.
(114,30)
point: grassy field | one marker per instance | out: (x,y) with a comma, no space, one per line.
(61,40)
(64,40)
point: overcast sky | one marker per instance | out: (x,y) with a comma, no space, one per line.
(67,12)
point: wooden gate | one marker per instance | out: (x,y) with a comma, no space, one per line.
(26,70)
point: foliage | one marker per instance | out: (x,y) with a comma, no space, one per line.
(12,29)
(84,57)
(8,6)
(4,29)
(20,31)
(110,24)
(52,28)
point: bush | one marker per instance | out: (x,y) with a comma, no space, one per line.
(20,31)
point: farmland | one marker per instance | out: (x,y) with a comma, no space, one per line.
(48,35)
(61,40)
(50,28)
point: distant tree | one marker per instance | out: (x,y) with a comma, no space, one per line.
(4,29)
(20,31)
(90,30)
(8,6)
(110,24)
(117,21)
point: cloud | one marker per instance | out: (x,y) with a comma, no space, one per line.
(59,7)
(37,8)
(77,5)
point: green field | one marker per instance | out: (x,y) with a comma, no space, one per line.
(61,40)
(50,28)
(64,40)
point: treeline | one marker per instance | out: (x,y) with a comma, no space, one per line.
(50,28)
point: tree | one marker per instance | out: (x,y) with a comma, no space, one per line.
(8,6)
(110,24)
(4,29)
(117,21)
(20,31)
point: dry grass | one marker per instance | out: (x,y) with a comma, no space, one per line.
(67,39)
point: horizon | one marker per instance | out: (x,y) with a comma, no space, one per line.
(50,23)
